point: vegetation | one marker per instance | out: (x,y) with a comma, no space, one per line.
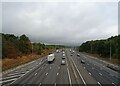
(103,47)
(14,46)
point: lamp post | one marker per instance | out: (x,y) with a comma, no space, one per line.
(110,50)
(91,47)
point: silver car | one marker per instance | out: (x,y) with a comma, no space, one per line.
(63,62)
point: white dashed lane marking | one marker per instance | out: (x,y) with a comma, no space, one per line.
(39,84)
(100,74)
(99,83)
(113,84)
(35,74)
(46,74)
(89,73)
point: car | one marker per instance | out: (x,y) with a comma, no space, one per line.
(63,62)
(71,54)
(78,54)
(82,61)
(57,51)
(63,55)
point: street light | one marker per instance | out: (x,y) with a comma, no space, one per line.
(110,50)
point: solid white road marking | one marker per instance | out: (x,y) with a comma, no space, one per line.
(46,73)
(50,67)
(74,71)
(79,73)
(15,74)
(99,83)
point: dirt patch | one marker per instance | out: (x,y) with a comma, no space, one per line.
(11,63)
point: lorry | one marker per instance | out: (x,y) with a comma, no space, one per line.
(51,58)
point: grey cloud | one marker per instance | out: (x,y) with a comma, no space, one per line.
(60,23)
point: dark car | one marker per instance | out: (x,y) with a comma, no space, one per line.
(82,61)
(78,54)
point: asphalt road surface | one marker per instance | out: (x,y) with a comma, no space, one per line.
(40,72)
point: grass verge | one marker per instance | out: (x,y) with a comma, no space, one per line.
(11,63)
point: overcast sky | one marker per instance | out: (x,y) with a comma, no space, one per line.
(68,23)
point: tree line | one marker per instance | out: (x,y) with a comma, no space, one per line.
(103,47)
(14,46)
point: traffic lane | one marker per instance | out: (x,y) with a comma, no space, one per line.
(102,65)
(101,72)
(37,76)
(85,74)
(13,78)
(91,58)
(102,76)
(96,75)
(16,73)
(71,73)
(41,76)
(24,79)
(62,76)
(22,70)
(74,72)
(54,71)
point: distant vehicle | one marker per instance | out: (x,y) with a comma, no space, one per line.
(82,61)
(57,51)
(63,62)
(71,54)
(63,52)
(78,54)
(73,51)
(50,58)
(63,55)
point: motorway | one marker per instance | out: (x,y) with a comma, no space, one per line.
(40,72)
